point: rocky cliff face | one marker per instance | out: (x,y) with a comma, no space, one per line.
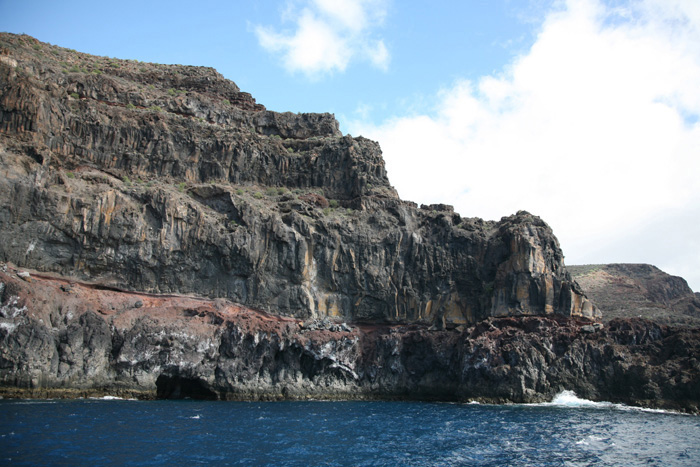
(65,338)
(307,276)
(170,179)
(639,290)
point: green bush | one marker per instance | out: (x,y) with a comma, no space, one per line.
(70,175)
(130,106)
(126,180)
(333,203)
(75,95)
(257,195)
(181,186)
(156,108)
(226,102)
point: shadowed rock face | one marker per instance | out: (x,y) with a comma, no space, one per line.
(63,338)
(169,179)
(312,278)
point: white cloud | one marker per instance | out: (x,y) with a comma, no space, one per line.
(595,129)
(328,35)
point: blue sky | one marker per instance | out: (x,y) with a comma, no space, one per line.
(584,112)
(428,45)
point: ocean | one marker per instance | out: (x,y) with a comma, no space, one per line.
(567,432)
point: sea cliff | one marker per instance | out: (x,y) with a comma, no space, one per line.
(175,238)
(65,338)
(169,179)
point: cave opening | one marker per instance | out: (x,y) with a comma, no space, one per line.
(182,387)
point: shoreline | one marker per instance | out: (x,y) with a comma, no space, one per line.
(9,393)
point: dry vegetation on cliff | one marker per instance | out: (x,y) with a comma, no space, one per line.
(639,290)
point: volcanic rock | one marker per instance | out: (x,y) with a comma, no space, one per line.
(92,341)
(183,241)
(169,179)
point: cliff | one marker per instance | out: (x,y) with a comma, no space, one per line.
(167,178)
(64,338)
(639,290)
(164,235)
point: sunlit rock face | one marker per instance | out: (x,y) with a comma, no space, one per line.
(170,179)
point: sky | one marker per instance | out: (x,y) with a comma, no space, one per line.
(583,112)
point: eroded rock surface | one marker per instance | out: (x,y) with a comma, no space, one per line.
(61,338)
(169,179)
(164,235)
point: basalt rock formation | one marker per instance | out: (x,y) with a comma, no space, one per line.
(639,290)
(164,235)
(169,179)
(64,338)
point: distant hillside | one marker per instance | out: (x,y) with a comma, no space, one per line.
(639,290)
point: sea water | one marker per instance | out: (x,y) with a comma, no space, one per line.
(566,432)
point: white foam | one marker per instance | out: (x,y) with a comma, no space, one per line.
(570,399)
(111,398)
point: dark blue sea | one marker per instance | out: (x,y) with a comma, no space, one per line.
(567,432)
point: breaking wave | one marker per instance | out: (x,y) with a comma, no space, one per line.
(569,399)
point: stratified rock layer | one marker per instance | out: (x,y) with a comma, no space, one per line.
(62,338)
(308,276)
(170,179)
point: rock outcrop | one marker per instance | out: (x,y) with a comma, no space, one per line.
(169,179)
(164,235)
(639,290)
(65,338)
